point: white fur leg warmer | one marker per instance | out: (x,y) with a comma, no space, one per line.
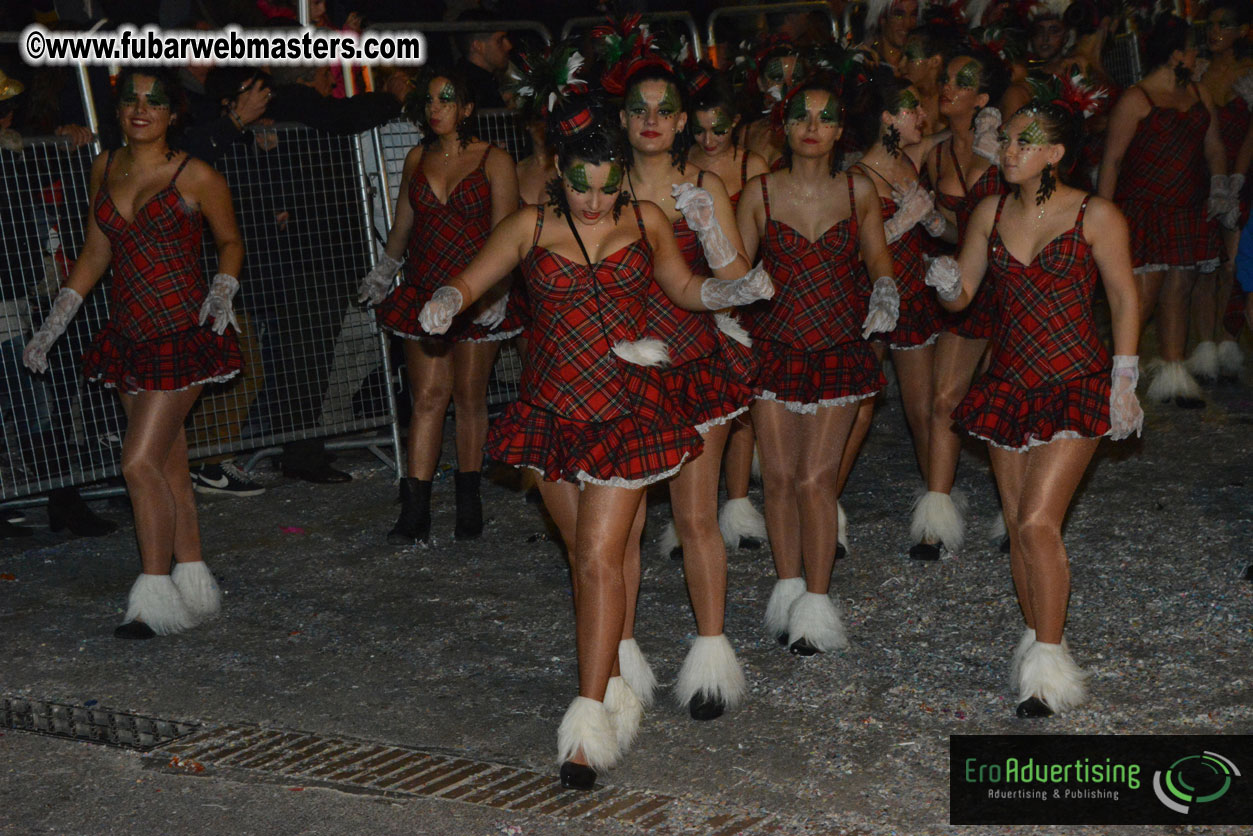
(669,539)
(813,617)
(1230,358)
(937,518)
(782,597)
(738,518)
(997,530)
(1050,674)
(587,727)
(155,600)
(1015,661)
(625,711)
(711,669)
(1172,380)
(199,590)
(636,671)
(1204,360)
(842,521)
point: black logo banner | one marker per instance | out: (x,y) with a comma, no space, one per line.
(1101,779)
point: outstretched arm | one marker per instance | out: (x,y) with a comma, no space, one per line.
(957,280)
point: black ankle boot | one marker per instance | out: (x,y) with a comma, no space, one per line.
(469,505)
(66,509)
(414,525)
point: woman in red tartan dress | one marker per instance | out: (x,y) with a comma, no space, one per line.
(1229,80)
(888,118)
(818,232)
(1163,156)
(714,124)
(708,377)
(456,189)
(964,172)
(595,417)
(1050,392)
(167,336)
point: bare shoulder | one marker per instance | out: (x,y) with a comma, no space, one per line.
(654,217)
(200,175)
(1102,216)
(713,184)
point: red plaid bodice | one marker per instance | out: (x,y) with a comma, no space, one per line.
(1233,125)
(157,286)
(963,205)
(1165,162)
(446,236)
(687,334)
(907,251)
(1045,331)
(579,312)
(820,297)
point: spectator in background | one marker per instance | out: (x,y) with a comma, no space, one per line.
(484,59)
(888,24)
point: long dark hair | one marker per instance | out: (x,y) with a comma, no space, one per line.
(581,130)
(1061,126)
(415,104)
(868,102)
(1169,34)
(178,98)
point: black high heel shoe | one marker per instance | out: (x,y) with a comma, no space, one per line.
(750,543)
(703,707)
(66,509)
(802,647)
(925,551)
(576,776)
(1034,707)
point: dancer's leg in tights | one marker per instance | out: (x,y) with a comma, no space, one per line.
(800,464)
(694,500)
(914,375)
(429,367)
(1204,307)
(737,460)
(956,359)
(472,368)
(1172,314)
(154,465)
(1036,489)
(861,429)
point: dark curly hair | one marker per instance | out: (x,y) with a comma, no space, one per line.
(1061,126)
(599,142)
(682,139)
(1170,34)
(173,88)
(415,104)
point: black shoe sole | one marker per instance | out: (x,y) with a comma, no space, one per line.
(749,543)
(925,551)
(1033,708)
(576,776)
(802,647)
(135,630)
(704,708)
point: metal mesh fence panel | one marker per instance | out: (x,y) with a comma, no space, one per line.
(1122,59)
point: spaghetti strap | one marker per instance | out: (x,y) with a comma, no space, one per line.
(539,225)
(852,207)
(108,163)
(483,159)
(639,219)
(1146,95)
(743,169)
(765,195)
(700,178)
(1083,207)
(961,176)
(1000,205)
(869,170)
(180,168)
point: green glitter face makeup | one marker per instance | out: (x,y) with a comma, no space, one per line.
(157,95)
(796,110)
(576,177)
(578,181)
(914,50)
(613,181)
(906,101)
(663,93)
(722,122)
(1033,134)
(774,71)
(831,113)
(969,76)
(448,93)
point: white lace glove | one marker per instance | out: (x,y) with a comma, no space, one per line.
(493,314)
(1221,201)
(1231,218)
(945,276)
(1243,87)
(717,294)
(67,303)
(935,223)
(912,206)
(986,143)
(378,282)
(437,314)
(697,206)
(885,308)
(1125,415)
(217,305)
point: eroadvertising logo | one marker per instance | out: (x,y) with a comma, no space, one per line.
(1100,779)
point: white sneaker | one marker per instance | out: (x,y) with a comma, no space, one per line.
(224,478)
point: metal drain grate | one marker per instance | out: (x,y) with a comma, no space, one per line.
(363,766)
(97,725)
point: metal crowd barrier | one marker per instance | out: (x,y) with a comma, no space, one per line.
(1121,58)
(729,25)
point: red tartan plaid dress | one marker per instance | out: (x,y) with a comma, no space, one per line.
(584,414)
(153,340)
(1163,186)
(919,322)
(446,237)
(709,378)
(976,321)
(1049,375)
(808,337)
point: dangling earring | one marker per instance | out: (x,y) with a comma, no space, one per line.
(1048,185)
(1183,76)
(620,203)
(892,140)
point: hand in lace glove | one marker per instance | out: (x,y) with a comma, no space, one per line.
(1125,415)
(493,314)
(717,294)
(986,142)
(437,314)
(1221,200)
(217,305)
(697,206)
(885,308)
(1231,218)
(378,282)
(946,277)
(67,303)
(935,223)
(912,205)
(1243,87)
